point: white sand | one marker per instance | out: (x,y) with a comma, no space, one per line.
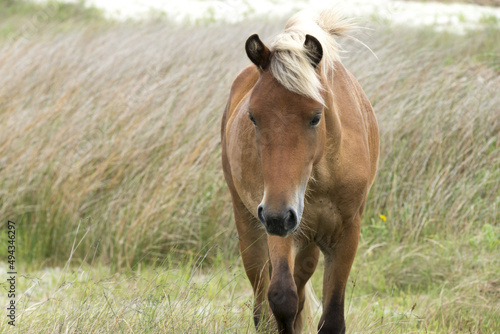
(452,17)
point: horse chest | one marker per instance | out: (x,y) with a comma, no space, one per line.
(322,215)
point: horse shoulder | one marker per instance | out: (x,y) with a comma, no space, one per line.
(234,135)
(243,84)
(240,87)
(371,125)
(354,173)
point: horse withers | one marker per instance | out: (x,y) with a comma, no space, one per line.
(300,150)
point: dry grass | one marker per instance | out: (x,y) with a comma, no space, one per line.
(437,104)
(109,136)
(118,131)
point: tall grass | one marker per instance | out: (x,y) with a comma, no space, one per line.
(109,139)
(118,131)
(437,103)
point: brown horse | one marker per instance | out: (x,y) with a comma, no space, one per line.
(300,150)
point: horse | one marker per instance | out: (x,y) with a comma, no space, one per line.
(300,150)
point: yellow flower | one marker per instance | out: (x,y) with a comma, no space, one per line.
(384,218)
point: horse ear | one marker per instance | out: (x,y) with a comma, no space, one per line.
(314,50)
(258,53)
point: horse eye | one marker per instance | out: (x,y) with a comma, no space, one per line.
(252,119)
(315,120)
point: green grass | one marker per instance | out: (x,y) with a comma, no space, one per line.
(49,11)
(23,19)
(109,156)
(190,298)
(392,290)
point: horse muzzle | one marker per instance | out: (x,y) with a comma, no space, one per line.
(281,223)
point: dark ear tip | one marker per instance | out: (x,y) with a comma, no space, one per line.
(311,40)
(314,48)
(252,39)
(257,51)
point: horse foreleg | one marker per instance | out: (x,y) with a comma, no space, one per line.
(282,294)
(254,253)
(305,264)
(339,257)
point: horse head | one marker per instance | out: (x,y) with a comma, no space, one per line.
(290,134)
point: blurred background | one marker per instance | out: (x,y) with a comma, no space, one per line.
(110,163)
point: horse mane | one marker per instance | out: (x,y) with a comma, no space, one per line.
(290,64)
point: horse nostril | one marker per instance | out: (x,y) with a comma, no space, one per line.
(279,223)
(260,214)
(291,220)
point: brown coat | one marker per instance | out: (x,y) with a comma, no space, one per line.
(303,183)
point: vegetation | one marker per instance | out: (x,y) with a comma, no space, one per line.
(109,164)
(25,19)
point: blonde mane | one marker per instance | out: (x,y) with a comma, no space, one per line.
(290,63)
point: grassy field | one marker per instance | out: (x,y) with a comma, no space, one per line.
(109,165)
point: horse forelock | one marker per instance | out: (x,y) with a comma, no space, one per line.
(290,64)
